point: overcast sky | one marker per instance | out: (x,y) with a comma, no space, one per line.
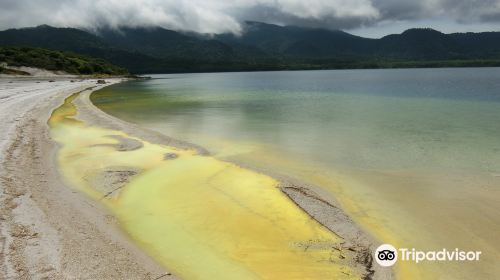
(371,18)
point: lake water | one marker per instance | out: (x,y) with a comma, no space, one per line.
(412,155)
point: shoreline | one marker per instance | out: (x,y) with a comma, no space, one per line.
(323,209)
(49,230)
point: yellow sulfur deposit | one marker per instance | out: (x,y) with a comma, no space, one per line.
(199,216)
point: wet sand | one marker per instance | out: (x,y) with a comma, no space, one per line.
(80,237)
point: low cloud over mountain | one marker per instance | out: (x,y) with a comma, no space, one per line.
(212,16)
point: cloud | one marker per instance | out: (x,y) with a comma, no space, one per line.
(197,15)
(457,10)
(334,14)
(216,16)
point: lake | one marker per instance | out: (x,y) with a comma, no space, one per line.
(413,155)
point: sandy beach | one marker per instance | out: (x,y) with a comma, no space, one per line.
(50,231)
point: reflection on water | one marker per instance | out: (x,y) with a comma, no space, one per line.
(199,216)
(414,155)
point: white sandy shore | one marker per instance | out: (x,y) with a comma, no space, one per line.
(50,232)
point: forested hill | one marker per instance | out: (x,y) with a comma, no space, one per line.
(57,61)
(263,47)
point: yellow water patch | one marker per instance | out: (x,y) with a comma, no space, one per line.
(202,217)
(397,210)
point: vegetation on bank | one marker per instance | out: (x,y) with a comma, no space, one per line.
(56,61)
(84,65)
(388,64)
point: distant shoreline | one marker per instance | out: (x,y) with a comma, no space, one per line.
(496,65)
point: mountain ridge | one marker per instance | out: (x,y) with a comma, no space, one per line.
(262,46)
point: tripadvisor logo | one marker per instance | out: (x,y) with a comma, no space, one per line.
(387,255)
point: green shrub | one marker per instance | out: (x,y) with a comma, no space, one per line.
(58,61)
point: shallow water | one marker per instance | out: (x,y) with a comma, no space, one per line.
(412,155)
(201,217)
